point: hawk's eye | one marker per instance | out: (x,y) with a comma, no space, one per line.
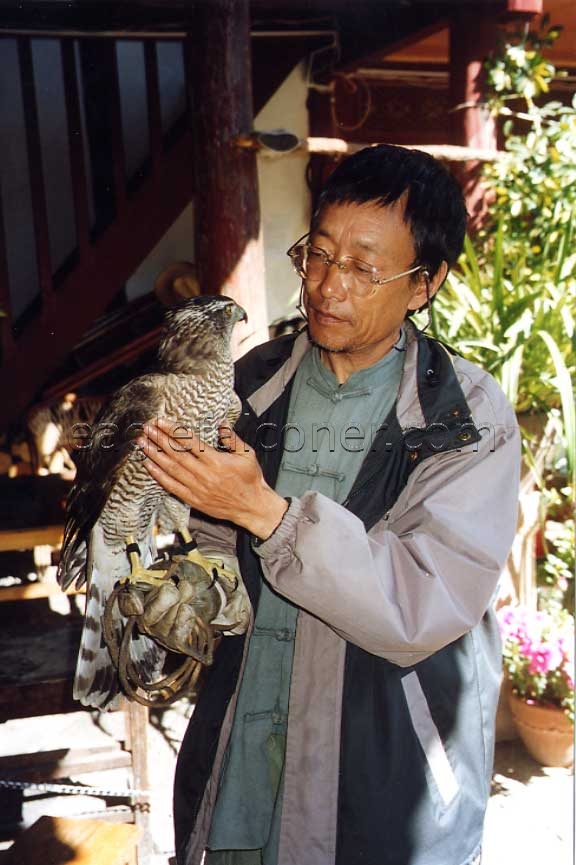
(228,310)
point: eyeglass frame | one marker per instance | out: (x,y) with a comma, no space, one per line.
(340,264)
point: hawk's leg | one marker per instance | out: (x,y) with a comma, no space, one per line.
(138,573)
(220,573)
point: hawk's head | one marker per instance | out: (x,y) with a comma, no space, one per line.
(197,330)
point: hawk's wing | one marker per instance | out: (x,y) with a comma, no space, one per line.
(85,555)
(100,463)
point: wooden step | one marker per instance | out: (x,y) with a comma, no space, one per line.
(74,841)
(63,763)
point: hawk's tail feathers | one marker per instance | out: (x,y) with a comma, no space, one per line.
(96,683)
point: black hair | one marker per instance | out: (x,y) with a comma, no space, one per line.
(435,209)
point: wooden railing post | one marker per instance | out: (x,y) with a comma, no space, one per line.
(153,102)
(76,147)
(7,345)
(36,171)
(229,249)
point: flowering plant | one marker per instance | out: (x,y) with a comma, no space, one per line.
(538,650)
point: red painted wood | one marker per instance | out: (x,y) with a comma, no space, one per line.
(229,254)
(526,7)
(86,291)
(6,336)
(473,36)
(118,151)
(76,147)
(35,170)
(94,370)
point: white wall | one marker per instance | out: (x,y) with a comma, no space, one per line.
(284,201)
(284,195)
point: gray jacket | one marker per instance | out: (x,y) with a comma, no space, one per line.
(397,662)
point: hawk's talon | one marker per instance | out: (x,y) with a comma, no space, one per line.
(139,576)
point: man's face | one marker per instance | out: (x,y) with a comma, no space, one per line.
(362,329)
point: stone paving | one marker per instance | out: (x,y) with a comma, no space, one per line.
(529,820)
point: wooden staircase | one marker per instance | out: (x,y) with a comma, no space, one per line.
(119,215)
(106,252)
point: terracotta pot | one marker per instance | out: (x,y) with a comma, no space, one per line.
(546,731)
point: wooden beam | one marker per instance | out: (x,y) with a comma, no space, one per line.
(43,698)
(27,539)
(338,146)
(63,763)
(35,591)
(229,251)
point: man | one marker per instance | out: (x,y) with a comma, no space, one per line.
(372,511)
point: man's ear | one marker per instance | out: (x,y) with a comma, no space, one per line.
(427,286)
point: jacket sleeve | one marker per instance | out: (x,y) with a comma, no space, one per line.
(212,536)
(421,578)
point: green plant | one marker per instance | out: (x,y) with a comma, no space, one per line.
(538,651)
(556,562)
(510,304)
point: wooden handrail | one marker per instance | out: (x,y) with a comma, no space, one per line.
(124,354)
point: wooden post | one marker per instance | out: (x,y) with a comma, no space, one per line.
(136,717)
(472,38)
(228,237)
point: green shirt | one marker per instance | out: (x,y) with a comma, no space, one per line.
(329,431)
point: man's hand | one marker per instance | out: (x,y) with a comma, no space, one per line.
(224,484)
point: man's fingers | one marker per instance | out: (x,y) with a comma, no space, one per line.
(175,438)
(171,438)
(231,441)
(167,476)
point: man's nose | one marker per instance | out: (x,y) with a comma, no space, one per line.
(333,282)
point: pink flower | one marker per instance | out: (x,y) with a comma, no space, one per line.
(544,659)
(539,660)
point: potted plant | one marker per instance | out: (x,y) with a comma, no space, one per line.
(538,651)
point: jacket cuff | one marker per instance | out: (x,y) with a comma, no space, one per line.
(283,535)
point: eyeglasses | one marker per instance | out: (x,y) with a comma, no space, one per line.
(358,277)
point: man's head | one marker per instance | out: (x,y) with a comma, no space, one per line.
(388,225)
(434,207)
